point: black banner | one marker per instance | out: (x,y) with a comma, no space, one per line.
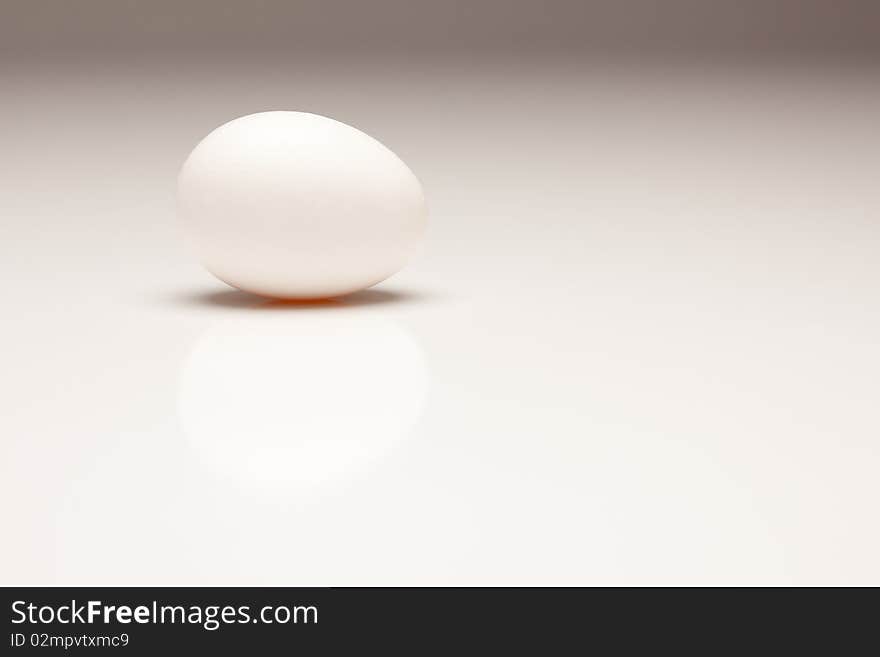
(327,621)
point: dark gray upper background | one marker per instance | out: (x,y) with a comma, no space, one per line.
(740,28)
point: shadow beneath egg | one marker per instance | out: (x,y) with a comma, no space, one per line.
(244,300)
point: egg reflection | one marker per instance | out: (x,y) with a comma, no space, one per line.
(286,400)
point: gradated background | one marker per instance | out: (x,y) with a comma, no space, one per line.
(640,345)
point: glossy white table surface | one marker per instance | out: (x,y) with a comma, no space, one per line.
(640,346)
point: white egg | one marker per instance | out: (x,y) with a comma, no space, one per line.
(294,205)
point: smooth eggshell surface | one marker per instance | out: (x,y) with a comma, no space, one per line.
(298,206)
